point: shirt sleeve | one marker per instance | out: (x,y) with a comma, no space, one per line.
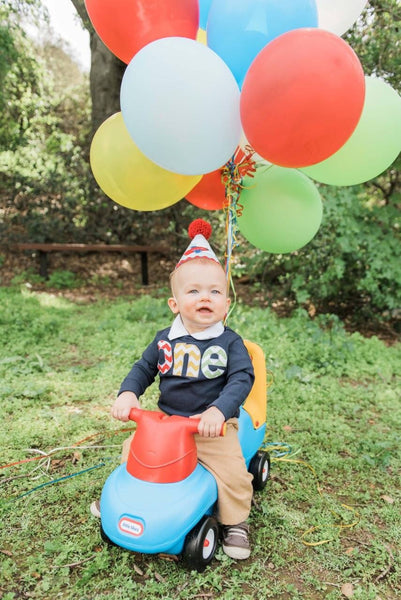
(240,378)
(143,372)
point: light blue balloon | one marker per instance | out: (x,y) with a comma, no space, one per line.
(204,7)
(181,106)
(237,30)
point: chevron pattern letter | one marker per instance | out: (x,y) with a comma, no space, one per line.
(168,356)
(214,362)
(193,352)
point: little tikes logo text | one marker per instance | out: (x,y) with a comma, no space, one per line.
(131,526)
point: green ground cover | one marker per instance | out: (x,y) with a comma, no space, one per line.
(335,401)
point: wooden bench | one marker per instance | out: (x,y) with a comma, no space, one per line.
(44,249)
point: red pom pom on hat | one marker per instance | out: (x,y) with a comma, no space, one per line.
(199,226)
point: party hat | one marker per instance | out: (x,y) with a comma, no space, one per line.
(199,231)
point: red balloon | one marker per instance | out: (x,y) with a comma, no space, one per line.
(302,97)
(125,26)
(209,193)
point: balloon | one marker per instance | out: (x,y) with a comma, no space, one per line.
(282,210)
(246,148)
(204,7)
(372,147)
(209,193)
(125,26)
(180,104)
(339,15)
(127,176)
(302,97)
(238,29)
(201,36)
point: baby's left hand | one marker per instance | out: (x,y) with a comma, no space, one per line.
(211,422)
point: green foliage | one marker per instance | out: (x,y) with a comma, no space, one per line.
(351,265)
(375,39)
(23,90)
(43,128)
(63,280)
(334,401)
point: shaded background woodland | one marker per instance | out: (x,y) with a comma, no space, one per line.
(50,109)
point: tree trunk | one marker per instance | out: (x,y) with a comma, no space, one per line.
(105,73)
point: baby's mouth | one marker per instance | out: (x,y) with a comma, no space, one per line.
(204,309)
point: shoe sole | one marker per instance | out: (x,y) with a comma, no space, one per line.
(236,553)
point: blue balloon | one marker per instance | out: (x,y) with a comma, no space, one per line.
(237,30)
(204,7)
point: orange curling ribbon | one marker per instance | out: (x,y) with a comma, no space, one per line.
(232,175)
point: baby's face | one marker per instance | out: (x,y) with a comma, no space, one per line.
(199,290)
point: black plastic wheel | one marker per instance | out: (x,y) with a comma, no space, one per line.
(200,544)
(259,467)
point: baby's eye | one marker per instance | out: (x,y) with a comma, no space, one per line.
(194,291)
(216,292)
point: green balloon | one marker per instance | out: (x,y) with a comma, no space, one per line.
(374,145)
(282,210)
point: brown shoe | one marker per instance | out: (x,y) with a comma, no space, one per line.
(235,541)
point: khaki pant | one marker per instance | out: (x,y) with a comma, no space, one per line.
(222,456)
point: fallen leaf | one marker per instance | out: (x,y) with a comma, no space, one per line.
(312,310)
(287,427)
(387,499)
(347,590)
(6,552)
(138,570)
(349,550)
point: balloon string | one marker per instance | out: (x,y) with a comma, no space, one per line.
(232,175)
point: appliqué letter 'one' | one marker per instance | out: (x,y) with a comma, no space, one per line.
(186,360)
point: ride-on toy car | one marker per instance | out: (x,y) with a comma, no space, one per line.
(161,500)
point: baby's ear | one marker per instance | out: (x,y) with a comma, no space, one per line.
(172,302)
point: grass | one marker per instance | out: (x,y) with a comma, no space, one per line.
(335,402)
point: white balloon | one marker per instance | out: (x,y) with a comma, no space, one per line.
(338,16)
(180,105)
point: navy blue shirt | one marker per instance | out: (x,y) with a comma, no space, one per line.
(194,373)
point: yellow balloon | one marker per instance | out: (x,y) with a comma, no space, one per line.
(201,36)
(127,176)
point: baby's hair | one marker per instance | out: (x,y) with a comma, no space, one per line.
(170,279)
(202,260)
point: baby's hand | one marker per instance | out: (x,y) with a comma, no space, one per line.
(211,422)
(123,404)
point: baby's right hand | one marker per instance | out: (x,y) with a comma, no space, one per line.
(123,404)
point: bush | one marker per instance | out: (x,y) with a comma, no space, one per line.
(351,265)
(63,280)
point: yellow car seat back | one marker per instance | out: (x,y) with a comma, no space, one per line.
(256,402)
